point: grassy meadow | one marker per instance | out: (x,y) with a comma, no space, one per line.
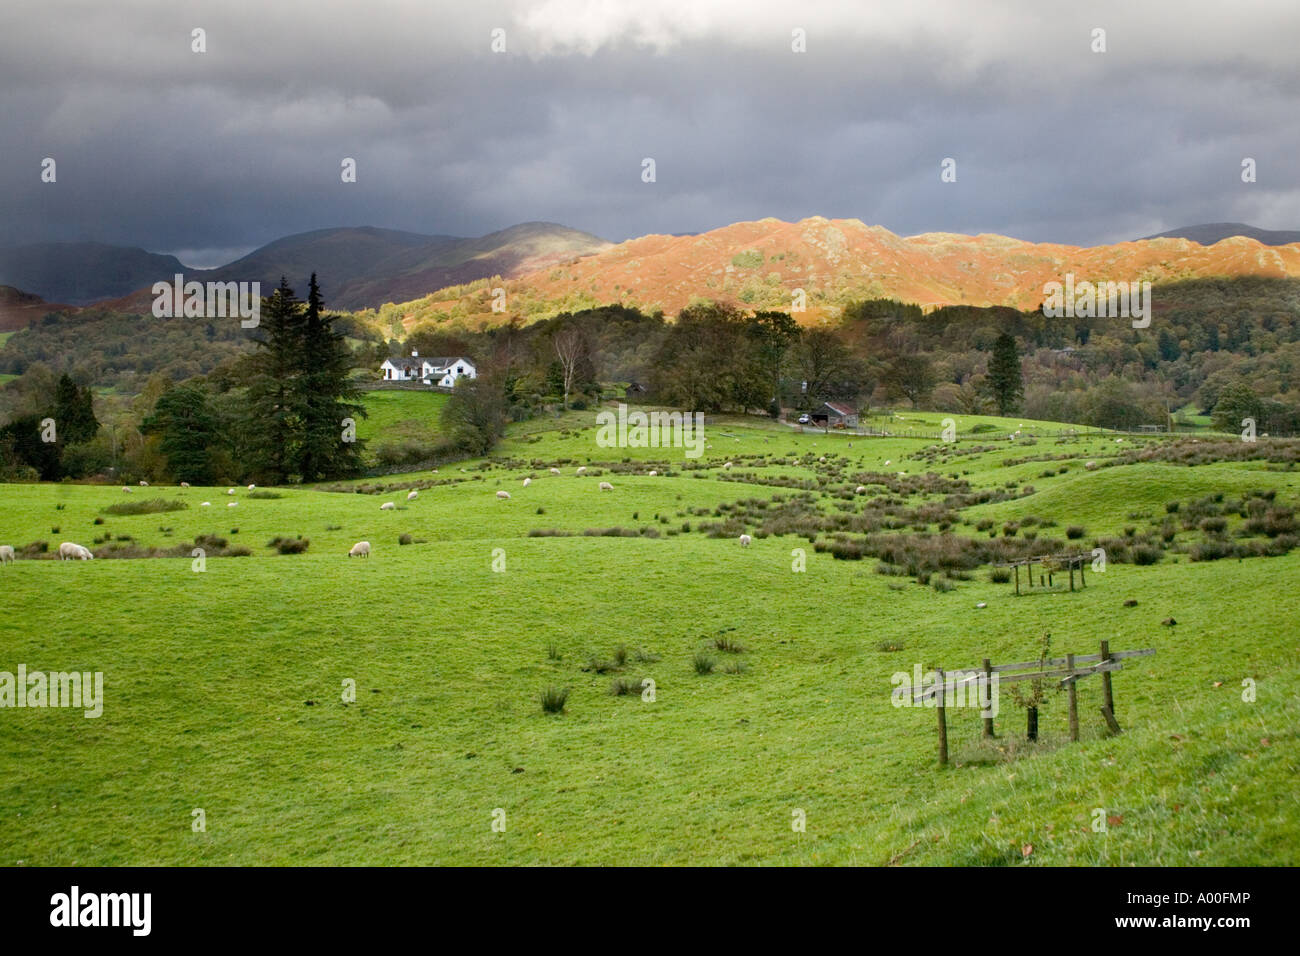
(224,687)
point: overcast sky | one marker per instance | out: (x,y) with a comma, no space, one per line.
(208,155)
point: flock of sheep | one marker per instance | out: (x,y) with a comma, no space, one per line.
(362,548)
(70,551)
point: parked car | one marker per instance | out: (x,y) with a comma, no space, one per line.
(804,419)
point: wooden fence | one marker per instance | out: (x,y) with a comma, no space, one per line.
(1050,565)
(988,677)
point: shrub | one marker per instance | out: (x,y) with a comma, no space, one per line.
(703,663)
(404,539)
(1145,554)
(1074,532)
(262,493)
(1000,575)
(1214,525)
(289,545)
(553,699)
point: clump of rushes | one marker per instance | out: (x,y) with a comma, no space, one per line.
(703,663)
(553,699)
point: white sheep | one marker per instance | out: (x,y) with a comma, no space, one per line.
(727,465)
(126,490)
(653,473)
(860,490)
(503,495)
(360,550)
(888,463)
(251,487)
(606,486)
(185,484)
(582,470)
(1090,465)
(412,496)
(144,484)
(68,551)
(206,504)
(527,482)
(555,471)
(6,553)
(387,506)
(233,504)
(822,458)
(745,540)
(230,491)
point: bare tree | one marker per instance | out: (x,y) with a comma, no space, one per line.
(570,348)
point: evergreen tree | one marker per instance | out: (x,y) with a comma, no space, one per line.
(74,413)
(187,431)
(1005,381)
(273,417)
(325,396)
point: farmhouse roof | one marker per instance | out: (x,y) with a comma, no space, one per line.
(839,408)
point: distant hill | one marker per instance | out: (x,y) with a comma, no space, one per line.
(1207,234)
(365,267)
(17,308)
(758,265)
(81,272)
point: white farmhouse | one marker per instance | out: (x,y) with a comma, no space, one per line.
(439,370)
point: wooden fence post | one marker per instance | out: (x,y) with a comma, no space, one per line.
(1017,580)
(987,695)
(1108,705)
(1074,698)
(1031,723)
(943,722)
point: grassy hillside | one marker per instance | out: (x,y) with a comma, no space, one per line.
(223,688)
(400,416)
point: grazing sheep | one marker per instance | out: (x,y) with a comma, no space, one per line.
(412,496)
(582,470)
(387,506)
(68,551)
(230,491)
(251,487)
(206,504)
(727,465)
(185,484)
(503,495)
(555,471)
(527,482)
(653,473)
(606,486)
(745,540)
(126,489)
(1090,465)
(6,553)
(822,458)
(144,484)
(889,462)
(860,490)
(233,504)
(360,550)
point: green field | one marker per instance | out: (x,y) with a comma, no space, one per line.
(223,689)
(394,417)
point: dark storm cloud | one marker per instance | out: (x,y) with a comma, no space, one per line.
(215,153)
